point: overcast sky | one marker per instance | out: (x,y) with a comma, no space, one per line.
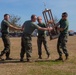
(25,8)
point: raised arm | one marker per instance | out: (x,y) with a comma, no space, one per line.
(52,22)
(45,29)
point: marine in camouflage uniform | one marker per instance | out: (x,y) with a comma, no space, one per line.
(28,28)
(63,37)
(42,39)
(5,24)
(26,46)
(5,38)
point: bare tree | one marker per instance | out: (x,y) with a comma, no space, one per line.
(15,20)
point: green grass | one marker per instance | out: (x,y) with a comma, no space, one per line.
(51,67)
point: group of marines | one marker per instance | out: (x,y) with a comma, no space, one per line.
(27,28)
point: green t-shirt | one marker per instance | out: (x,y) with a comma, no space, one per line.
(29,27)
(5,26)
(40,32)
(64,24)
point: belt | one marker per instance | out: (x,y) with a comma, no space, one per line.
(27,34)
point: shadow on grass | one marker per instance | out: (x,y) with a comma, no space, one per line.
(48,61)
(44,60)
(18,61)
(11,61)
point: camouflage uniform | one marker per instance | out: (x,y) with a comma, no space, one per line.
(62,40)
(5,37)
(42,39)
(26,46)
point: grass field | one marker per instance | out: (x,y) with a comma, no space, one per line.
(14,67)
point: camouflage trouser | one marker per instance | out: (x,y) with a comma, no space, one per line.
(61,44)
(40,40)
(26,46)
(6,41)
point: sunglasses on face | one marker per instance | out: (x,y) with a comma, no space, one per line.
(64,16)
